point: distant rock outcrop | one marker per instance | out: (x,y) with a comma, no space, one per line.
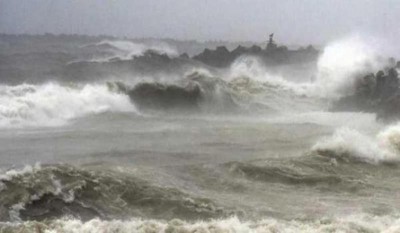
(155,63)
(271,55)
(220,57)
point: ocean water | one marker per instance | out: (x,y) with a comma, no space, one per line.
(83,157)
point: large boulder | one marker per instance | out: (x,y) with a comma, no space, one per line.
(220,57)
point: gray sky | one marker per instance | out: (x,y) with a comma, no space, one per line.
(296,22)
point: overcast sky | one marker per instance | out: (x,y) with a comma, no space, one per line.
(292,21)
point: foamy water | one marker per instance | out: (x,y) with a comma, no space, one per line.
(383,147)
(53,104)
(349,224)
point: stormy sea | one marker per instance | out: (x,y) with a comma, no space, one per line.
(103,134)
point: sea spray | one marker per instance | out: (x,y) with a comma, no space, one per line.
(125,50)
(350,144)
(53,104)
(343,61)
(251,67)
(340,64)
(390,138)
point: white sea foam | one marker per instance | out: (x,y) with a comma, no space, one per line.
(52,104)
(8,175)
(354,223)
(390,138)
(384,147)
(14,211)
(251,67)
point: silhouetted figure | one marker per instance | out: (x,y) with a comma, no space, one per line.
(271,46)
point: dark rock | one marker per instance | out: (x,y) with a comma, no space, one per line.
(273,55)
(184,56)
(255,49)
(220,57)
(239,50)
(311,48)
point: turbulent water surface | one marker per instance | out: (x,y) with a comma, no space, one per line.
(259,153)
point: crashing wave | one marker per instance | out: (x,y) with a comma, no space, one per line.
(338,67)
(251,67)
(350,145)
(53,104)
(343,62)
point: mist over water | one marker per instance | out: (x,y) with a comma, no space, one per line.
(345,60)
(125,50)
(133,147)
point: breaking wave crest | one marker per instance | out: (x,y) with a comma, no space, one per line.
(53,104)
(353,223)
(351,145)
(251,67)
